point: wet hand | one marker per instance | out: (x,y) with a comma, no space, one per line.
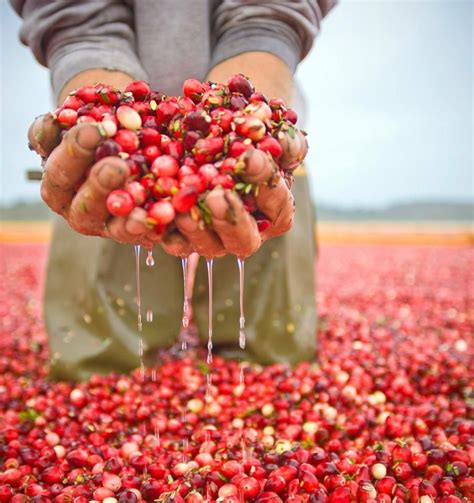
(233,230)
(76,187)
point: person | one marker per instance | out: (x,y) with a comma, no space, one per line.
(89,304)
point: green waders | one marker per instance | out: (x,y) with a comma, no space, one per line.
(91,314)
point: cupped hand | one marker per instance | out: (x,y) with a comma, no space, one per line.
(76,187)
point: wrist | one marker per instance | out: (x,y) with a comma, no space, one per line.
(268,73)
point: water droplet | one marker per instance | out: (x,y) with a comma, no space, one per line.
(150,261)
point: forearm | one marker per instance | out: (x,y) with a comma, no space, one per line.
(269,74)
(90,77)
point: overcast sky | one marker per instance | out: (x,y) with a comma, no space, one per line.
(389,93)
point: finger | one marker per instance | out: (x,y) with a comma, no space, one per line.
(176,244)
(44,135)
(88,211)
(277,202)
(203,240)
(131,229)
(135,224)
(235,227)
(295,148)
(115,229)
(67,165)
(258,167)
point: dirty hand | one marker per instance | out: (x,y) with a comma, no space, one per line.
(76,187)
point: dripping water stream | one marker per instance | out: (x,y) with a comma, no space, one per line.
(137,249)
(185,318)
(241,264)
(137,276)
(209,263)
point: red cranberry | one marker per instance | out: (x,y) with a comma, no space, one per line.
(139,89)
(240,84)
(119,203)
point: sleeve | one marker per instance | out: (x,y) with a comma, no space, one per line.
(70,37)
(284,28)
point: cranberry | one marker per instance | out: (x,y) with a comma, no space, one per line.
(161,213)
(128,140)
(193,89)
(139,89)
(107,148)
(137,191)
(240,84)
(165,165)
(119,203)
(165,186)
(185,199)
(249,487)
(67,117)
(198,121)
(150,136)
(270,145)
(224,181)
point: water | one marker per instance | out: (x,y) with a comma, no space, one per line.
(149,315)
(185,318)
(157,436)
(150,261)
(140,355)
(241,264)
(209,263)
(137,275)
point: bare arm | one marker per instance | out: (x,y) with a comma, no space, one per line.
(270,74)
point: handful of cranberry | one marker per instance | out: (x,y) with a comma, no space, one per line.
(178,148)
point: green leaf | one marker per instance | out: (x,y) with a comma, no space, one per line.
(205,211)
(240,186)
(222,477)
(248,412)
(105,96)
(248,188)
(203,368)
(153,105)
(307,443)
(28,415)
(292,132)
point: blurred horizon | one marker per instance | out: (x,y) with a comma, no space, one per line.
(389,92)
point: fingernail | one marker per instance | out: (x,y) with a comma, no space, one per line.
(88,136)
(110,177)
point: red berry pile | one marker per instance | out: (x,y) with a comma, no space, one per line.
(386,415)
(179,148)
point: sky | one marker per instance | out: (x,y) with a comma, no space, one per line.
(389,102)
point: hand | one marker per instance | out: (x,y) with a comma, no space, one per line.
(233,229)
(81,199)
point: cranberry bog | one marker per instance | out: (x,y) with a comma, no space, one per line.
(385,414)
